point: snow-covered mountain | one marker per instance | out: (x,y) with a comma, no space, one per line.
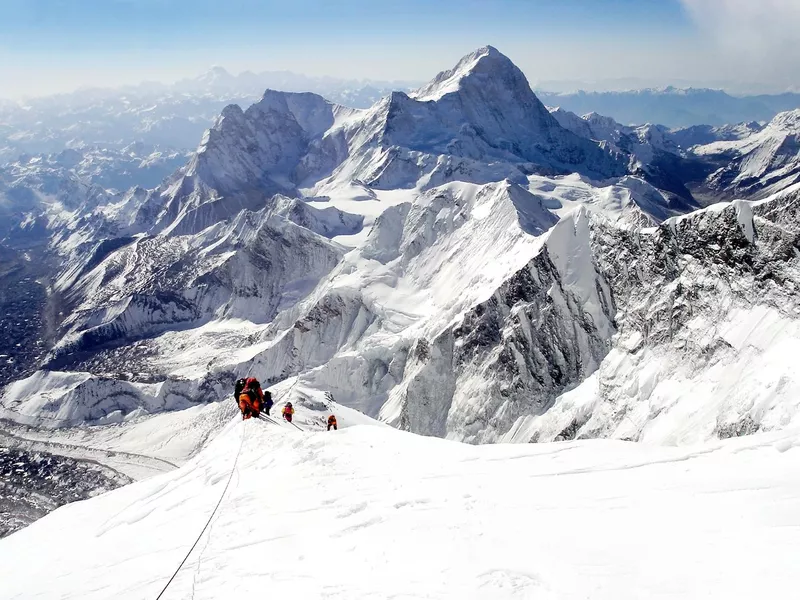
(454,261)
(700,135)
(651,152)
(478,122)
(409,183)
(757,165)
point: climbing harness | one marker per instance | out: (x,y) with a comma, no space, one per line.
(213,512)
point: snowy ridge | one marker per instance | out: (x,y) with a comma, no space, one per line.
(760,164)
(244,269)
(488,522)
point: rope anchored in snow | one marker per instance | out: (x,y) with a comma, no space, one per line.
(273,421)
(210,518)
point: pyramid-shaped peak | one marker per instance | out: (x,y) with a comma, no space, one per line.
(485,61)
(215,75)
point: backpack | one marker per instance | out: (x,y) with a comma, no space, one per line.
(249,385)
(238,389)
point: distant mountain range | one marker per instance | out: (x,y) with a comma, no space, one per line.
(175,115)
(674,107)
(157,114)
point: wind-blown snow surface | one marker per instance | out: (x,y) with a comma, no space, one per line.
(369,512)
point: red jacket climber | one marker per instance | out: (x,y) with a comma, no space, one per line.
(332,423)
(288,411)
(251,398)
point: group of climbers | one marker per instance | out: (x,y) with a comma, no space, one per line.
(252,400)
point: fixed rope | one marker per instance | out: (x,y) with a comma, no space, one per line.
(271,420)
(214,512)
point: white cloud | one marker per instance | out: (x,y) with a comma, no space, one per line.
(755,38)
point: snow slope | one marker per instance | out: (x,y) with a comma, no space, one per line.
(760,164)
(369,512)
(651,151)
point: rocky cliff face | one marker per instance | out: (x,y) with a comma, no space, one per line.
(706,310)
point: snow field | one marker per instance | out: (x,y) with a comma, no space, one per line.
(370,512)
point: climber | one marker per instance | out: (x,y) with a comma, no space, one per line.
(250,397)
(268,403)
(288,411)
(332,423)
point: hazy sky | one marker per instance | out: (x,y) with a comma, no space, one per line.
(58,45)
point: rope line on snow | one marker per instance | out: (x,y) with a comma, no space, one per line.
(271,420)
(210,518)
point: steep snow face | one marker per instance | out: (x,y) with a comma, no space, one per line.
(707,322)
(495,522)
(760,164)
(545,328)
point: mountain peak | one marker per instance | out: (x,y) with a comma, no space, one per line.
(216,75)
(787,121)
(487,61)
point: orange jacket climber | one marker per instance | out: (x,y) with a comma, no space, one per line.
(332,423)
(288,411)
(251,398)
